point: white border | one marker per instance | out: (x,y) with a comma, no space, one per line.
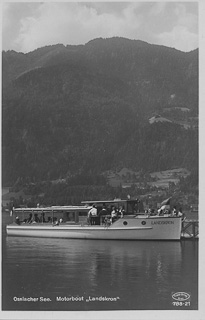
(146,315)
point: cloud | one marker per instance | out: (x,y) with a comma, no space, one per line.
(186,19)
(184,32)
(180,37)
(74,24)
(13,14)
(27,26)
(157,8)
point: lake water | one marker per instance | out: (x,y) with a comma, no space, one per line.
(68,275)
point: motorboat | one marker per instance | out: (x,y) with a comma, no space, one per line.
(72,222)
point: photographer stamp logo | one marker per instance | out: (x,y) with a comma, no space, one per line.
(181,299)
(180,296)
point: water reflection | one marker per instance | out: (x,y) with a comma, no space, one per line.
(141,273)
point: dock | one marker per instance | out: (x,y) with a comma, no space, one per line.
(190,229)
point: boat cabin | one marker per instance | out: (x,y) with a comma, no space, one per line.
(52,215)
(78,214)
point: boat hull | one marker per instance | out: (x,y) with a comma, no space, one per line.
(157,228)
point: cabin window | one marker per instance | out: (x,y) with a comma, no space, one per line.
(131,207)
(134,207)
(70,216)
(125,223)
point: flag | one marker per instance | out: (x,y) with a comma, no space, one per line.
(166,202)
(165,205)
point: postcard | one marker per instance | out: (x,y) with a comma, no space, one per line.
(102,111)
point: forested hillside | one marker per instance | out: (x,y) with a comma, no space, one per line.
(76,109)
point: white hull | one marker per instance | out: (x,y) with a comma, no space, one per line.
(153,228)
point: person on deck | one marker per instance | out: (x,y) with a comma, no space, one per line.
(113,214)
(174,212)
(180,214)
(36,218)
(102,214)
(29,220)
(160,212)
(92,214)
(17,220)
(121,212)
(42,217)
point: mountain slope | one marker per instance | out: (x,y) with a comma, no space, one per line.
(73,109)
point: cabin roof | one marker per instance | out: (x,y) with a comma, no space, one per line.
(108,201)
(54,208)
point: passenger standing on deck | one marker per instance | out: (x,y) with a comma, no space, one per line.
(180,214)
(92,214)
(102,214)
(113,215)
(121,212)
(174,212)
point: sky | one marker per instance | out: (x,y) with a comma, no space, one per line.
(27,26)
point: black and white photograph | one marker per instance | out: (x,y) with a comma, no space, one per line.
(100,108)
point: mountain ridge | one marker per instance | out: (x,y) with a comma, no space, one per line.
(86,108)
